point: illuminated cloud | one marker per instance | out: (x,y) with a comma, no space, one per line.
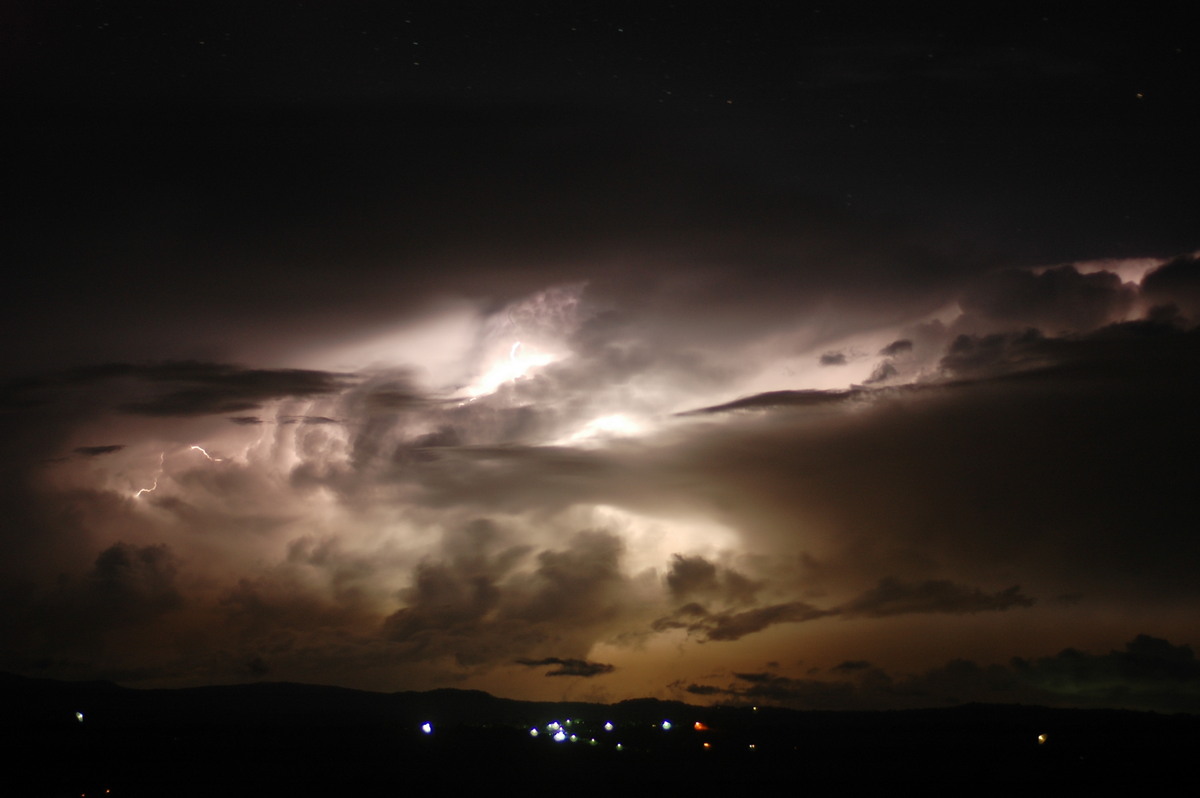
(415,376)
(368,523)
(803,398)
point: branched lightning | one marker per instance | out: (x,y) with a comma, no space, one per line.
(161,458)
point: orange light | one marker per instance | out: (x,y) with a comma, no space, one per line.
(698,726)
(708,745)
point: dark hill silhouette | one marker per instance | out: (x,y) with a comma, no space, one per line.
(295,739)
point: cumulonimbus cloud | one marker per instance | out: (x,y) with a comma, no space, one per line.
(372,522)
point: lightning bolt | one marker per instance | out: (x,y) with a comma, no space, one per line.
(154,486)
(206,454)
(161,458)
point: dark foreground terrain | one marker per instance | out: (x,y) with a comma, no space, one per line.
(287,739)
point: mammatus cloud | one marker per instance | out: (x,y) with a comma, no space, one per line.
(569,667)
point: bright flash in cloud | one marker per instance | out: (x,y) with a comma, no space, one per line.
(614,425)
(518,363)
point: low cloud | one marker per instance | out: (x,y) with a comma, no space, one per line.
(1176,284)
(192,389)
(894,597)
(771,399)
(1054,300)
(181,388)
(851,666)
(897,348)
(1149,674)
(569,667)
(97,451)
(734,626)
(696,576)
(129,580)
(891,597)
(487,602)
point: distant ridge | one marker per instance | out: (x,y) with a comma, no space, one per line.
(301,739)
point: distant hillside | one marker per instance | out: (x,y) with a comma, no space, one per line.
(295,739)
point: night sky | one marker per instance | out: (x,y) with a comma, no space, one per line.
(752,351)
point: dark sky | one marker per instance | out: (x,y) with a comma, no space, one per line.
(757,351)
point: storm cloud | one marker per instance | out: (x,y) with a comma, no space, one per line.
(533,519)
(399,371)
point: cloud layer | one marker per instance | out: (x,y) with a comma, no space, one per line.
(583,487)
(1149,674)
